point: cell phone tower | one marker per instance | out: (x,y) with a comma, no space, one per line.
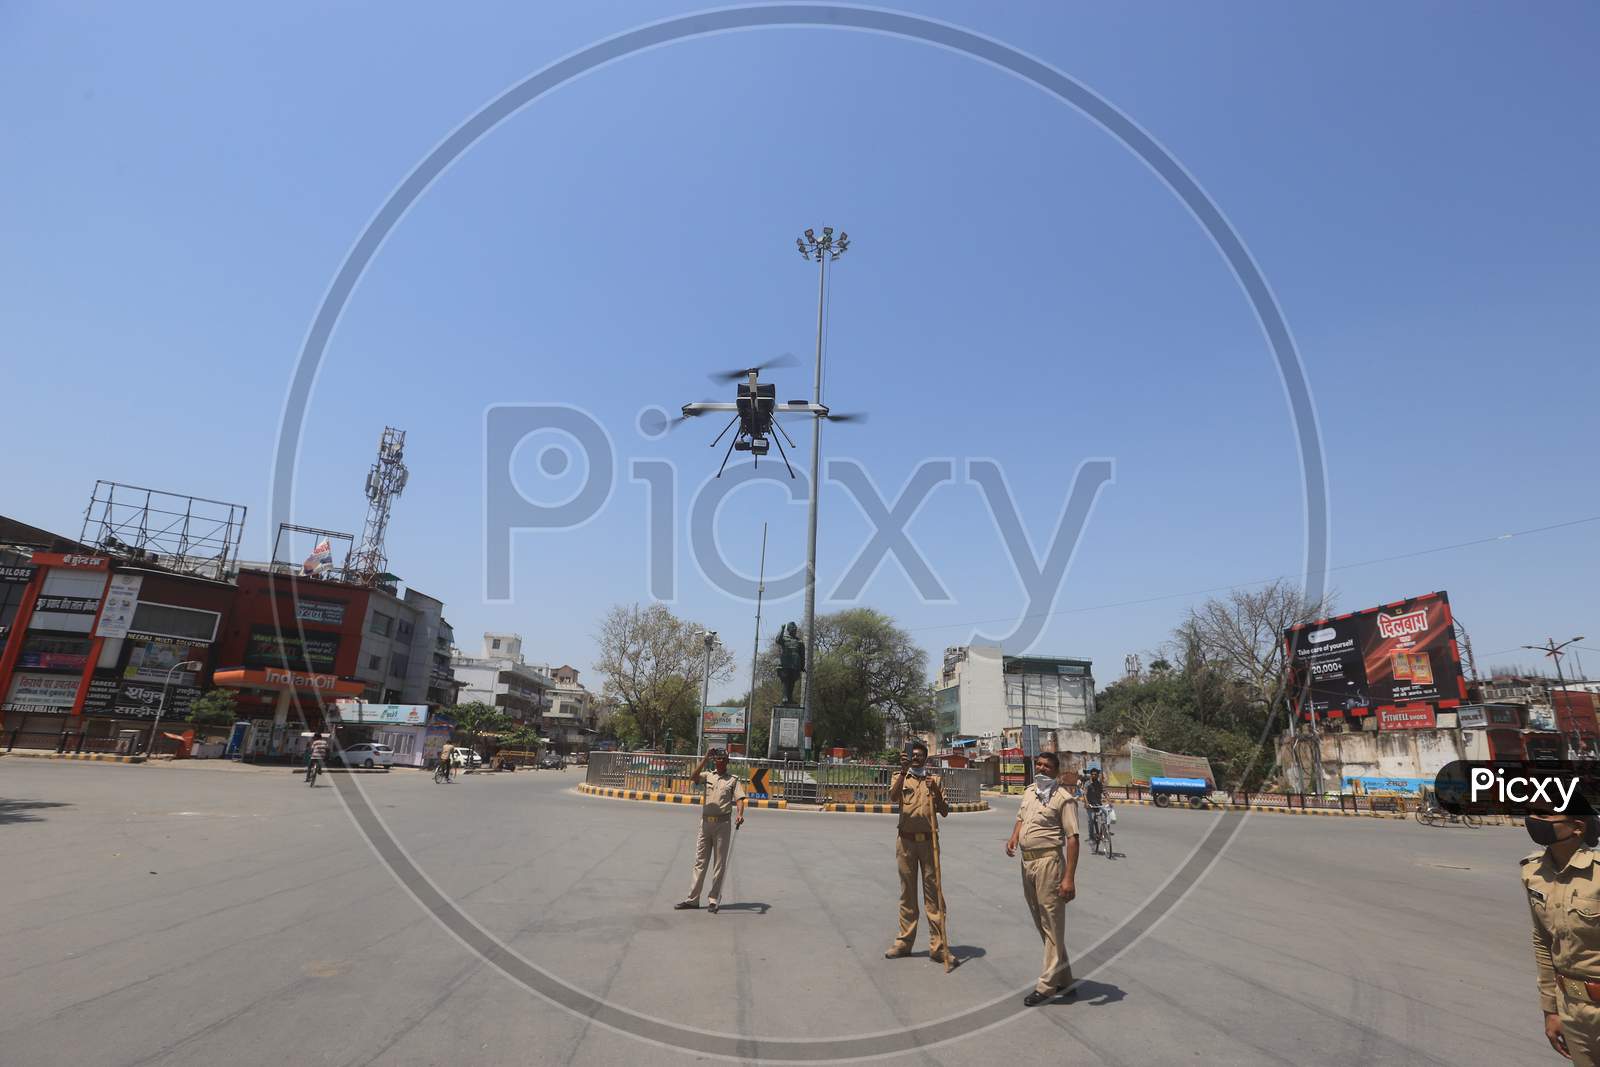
(369,564)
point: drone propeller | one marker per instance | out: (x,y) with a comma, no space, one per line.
(787,359)
(846,416)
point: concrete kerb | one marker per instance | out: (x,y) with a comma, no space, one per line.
(665,798)
(93,757)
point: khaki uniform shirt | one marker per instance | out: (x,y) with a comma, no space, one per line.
(1566,918)
(721,791)
(917,807)
(1047,823)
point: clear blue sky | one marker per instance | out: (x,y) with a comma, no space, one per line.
(1415,180)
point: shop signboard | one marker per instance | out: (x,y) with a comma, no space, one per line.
(359,711)
(139,700)
(103,689)
(67,605)
(319,612)
(57,692)
(1411,717)
(1401,654)
(722,720)
(122,597)
(1472,716)
(20,575)
(1373,785)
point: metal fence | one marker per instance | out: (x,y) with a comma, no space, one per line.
(67,742)
(791,780)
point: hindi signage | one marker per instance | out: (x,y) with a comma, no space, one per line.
(122,596)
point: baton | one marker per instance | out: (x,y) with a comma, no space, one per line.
(938,876)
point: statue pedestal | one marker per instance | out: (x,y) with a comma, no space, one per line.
(786,740)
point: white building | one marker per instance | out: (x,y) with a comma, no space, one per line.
(981,692)
(502,678)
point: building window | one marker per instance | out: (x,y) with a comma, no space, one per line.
(397,664)
(496,643)
(375,663)
(165,620)
(403,632)
(381,623)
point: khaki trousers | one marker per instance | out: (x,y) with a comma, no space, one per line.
(1580,1025)
(911,856)
(712,848)
(1040,880)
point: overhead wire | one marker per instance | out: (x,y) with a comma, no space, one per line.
(1262,581)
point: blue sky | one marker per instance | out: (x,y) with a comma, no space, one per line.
(1415,182)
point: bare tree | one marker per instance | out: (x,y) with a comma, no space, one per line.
(1241,636)
(654,664)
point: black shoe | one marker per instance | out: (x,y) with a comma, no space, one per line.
(686,905)
(713,908)
(1034,999)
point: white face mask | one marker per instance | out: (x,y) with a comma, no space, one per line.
(1043,782)
(919,772)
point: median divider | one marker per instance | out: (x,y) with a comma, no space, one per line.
(894,809)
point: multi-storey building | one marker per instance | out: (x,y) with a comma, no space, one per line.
(981,691)
(502,678)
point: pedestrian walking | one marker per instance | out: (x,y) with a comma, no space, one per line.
(1562,880)
(1047,823)
(920,795)
(723,795)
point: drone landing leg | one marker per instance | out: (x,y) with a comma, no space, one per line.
(726,454)
(725,429)
(781,452)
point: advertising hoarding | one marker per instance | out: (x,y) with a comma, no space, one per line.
(314,652)
(42,692)
(122,597)
(320,612)
(1415,717)
(1145,764)
(1400,654)
(723,720)
(151,659)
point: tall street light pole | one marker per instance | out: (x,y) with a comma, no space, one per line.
(705,695)
(1554,651)
(755,656)
(186,665)
(824,250)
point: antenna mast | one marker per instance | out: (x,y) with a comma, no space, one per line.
(385,481)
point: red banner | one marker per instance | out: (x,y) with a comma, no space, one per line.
(1416,717)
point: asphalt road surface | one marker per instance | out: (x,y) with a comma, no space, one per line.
(211,914)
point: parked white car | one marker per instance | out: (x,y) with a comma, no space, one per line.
(369,754)
(466,757)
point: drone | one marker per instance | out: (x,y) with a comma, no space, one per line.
(755,410)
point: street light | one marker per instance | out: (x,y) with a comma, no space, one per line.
(1553,650)
(823,250)
(710,637)
(186,665)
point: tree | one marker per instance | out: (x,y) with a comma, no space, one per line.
(654,665)
(520,738)
(1241,636)
(868,674)
(477,718)
(214,709)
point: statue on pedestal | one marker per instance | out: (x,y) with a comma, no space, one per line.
(791,659)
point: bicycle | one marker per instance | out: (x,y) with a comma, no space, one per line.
(312,772)
(1100,832)
(441,771)
(1433,815)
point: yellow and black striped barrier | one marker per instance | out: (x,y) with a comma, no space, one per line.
(96,757)
(894,809)
(665,798)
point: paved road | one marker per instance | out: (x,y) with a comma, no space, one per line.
(208,914)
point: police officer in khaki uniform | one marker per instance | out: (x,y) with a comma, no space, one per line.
(1562,880)
(1046,821)
(723,793)
(920,795)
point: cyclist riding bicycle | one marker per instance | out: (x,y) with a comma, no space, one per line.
(316,755)
(447,760)
(1094,799)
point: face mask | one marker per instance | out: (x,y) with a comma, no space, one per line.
(1043,782)
(919,772)
(1543,833)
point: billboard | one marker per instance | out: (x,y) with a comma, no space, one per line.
(310,651)
(1145,763)
(359,711)
(721,720)
(122,596)
(1379,659)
